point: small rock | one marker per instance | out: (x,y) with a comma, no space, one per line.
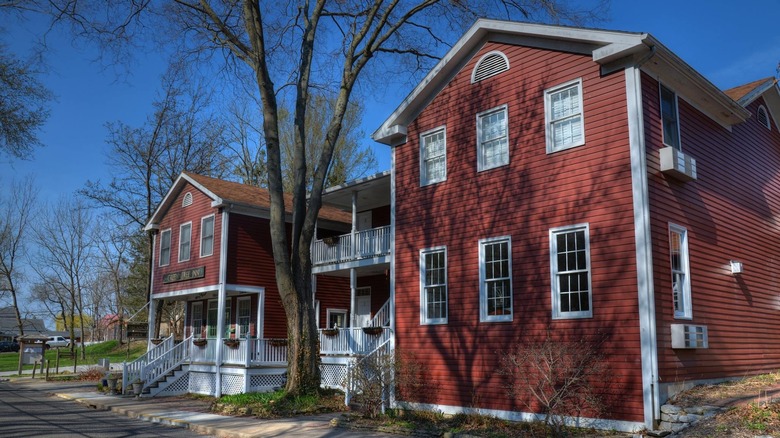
(335,422)
(670,409)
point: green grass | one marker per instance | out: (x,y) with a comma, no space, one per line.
(279,404)
(110,350)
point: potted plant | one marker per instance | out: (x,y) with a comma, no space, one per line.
(138,386)
(373,331)
(199,342)
(278,342)
(157,341)
(331,241)
(330,331)
(231,342)
(111,379)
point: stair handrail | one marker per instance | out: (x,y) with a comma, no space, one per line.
(161,366)
(382,316)
(385,347)
(132,371)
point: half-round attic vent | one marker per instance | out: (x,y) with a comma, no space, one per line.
(187,201)
(763,117)
(489,65)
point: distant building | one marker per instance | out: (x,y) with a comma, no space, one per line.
(9,327)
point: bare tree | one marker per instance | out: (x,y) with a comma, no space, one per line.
(291,49)
(17,209)
(113,251)
(65,259)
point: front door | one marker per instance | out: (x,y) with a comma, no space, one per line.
(362,306)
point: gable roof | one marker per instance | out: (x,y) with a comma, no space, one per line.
(613,50)
(232,195)
(766,88)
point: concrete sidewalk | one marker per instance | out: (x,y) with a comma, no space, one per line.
(193,414)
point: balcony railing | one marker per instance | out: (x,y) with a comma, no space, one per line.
(368,243)
(351,341)
(242,352)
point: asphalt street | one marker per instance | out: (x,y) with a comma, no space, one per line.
(26,412)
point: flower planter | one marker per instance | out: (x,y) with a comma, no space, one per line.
(231,343)
(330,332)
(331,241)
(278,342)
(199,342)
(137,388)
(157,341)
(373,331)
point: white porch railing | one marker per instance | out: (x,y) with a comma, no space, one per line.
(243,352)
(169,360)
(132,371)
(382,316)
(368,243)
(355,340)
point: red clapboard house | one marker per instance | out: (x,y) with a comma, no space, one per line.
(212,251)
(586,184)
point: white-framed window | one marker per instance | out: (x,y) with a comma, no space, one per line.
(337,318)
(763,117)
(433,285)
(495,279)
(243,316)
(433,156)
(489,65)
(565,127)
(228,321)
(570,272)
(211,319)
(165,247)
(681,272)
(670,118)
(207,236)
(185,238)
(492,138)
(197,319)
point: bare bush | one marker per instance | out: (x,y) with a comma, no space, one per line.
(564,378)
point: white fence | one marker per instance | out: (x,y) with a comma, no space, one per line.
(367,243)
(352,340)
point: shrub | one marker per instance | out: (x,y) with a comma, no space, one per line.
(92,374)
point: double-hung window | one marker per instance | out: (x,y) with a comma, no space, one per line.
(495,279)
(681,279)
(570,270)
(165,248)
(197,319)
(207,236)
(492,138)
(185,235)
(669,118)
(563,116)
(244,314)
(433,156)
(433,286)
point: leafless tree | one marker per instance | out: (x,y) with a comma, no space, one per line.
(65,238)
(17,212)
(290,50)
(113,262)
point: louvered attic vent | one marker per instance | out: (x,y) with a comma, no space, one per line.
(490,65)
(763,117)
(187,201)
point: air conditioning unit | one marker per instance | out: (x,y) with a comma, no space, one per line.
(677,164)
(689,336)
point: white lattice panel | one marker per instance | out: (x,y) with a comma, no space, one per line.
(333,376)
(232,384)
(179,386)
(203,383)
(264,382)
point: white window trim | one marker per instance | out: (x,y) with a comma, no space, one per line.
(677,115)
(424,179)
(332,311)
(170,246)
(482,59)
(187,200)
(555,286)
(687,312)
(424,320)
(213,235)
(548,115)
(480,165)
(181,227)
(483,315)
(239,333)
(196,331)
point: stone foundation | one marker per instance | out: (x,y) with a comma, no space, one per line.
(675,418)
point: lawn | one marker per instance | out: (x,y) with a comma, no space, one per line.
(110,350)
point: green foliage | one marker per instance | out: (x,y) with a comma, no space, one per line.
(279,404)
(110,350)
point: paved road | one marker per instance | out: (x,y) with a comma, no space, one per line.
(26,412)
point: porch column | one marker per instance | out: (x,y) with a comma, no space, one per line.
(353,232)
(151,326)
(221,296)
(352,293)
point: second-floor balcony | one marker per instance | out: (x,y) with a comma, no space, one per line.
(360,245)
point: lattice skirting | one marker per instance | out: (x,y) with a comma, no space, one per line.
(203,383)
(333,376)
(179,386)
(232,384)
(266,382)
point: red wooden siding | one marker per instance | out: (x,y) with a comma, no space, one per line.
(535,192)
(177,215)
(730,214)
(251,262)
(332,293)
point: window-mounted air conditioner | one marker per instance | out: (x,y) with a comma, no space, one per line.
(689,336)
(678,164)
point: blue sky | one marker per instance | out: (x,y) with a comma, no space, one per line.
(730,43)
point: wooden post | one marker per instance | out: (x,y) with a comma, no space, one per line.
(47,369)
